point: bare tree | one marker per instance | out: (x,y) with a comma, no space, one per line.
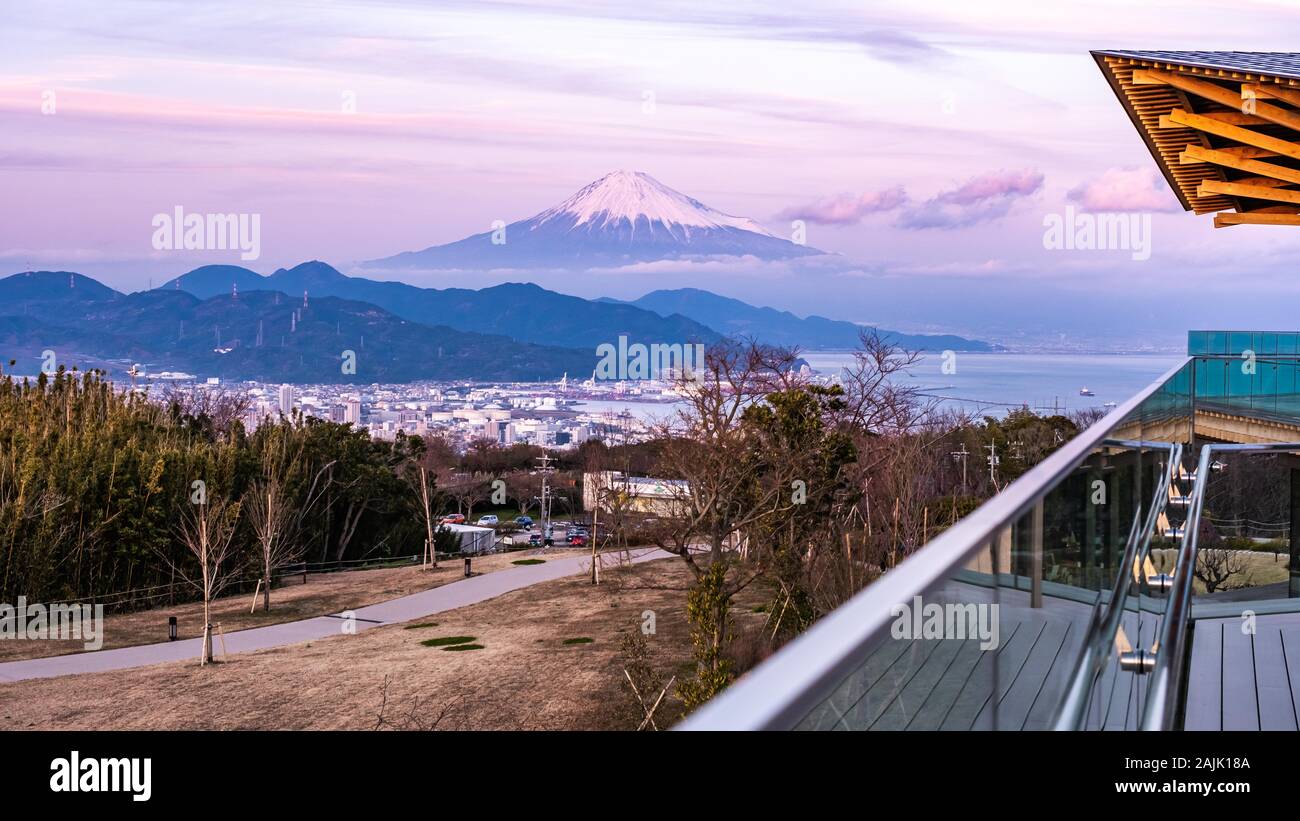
(208,532)
(525,488)
(727,486)
(1215,567)
(876,400)
(708,450)
(220,406)
(1086,417)
(466,490)
(270,515)
(430,549)
(277,519)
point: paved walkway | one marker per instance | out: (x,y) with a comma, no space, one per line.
(438,600)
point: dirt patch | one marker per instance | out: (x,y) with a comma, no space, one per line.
(524,677)
(323,593)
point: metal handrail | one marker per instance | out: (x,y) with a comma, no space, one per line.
(1161,706)
(1095,653)
(784,688)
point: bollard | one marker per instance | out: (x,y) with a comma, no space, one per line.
(171,628)
(467,573)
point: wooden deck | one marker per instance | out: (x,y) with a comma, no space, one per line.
(1119,696)
(948,684)
(1239,681)
(1236,680)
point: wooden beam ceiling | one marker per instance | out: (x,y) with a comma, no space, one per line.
(1210,129)
(1228,219)
(1254,192)
(1195,154)
(1279,146)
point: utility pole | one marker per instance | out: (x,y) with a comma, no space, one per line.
(993,463)
(960,455)
(544,467)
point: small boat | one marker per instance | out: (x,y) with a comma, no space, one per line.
(1085,392)
(1109,404)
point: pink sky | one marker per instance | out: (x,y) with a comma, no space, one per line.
(924,141)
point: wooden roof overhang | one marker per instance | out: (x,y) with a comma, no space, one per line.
(1224,127)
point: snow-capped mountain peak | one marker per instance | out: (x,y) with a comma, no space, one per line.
(637,197)
(621,219)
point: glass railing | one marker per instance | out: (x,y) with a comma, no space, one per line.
(985,627)
(1204,562)
(1060,603)
(1107,686)
(1247,390)
(1245,528)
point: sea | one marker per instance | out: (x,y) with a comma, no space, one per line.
(987,382)
(990,383)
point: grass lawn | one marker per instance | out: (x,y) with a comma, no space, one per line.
(519,675)
(447,640)
(1261,568)
(324,593)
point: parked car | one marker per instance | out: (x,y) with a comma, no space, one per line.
(535,540)
(578,540)
(488,521)
(453,519)
(523,521)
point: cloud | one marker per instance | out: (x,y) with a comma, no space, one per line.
(1125,189)
(980,199)
(847,209)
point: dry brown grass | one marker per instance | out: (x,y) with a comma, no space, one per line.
(524,678)
(324,593)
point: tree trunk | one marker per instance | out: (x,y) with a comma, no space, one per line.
(428,519)
(350,523)
(595,556)
(207,629)
(719,628)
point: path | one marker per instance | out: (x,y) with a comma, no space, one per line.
(437,600)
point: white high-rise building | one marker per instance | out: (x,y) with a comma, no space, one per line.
(499,431)
(352,412)
(286,399)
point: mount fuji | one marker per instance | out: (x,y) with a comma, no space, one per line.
(621,218)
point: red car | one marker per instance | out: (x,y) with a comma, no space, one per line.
(578,540)
(454,519)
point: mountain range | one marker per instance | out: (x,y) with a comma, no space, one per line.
(521,311)
(296,323)
(292,326)
(622,218)
(734,318)
(258,335)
